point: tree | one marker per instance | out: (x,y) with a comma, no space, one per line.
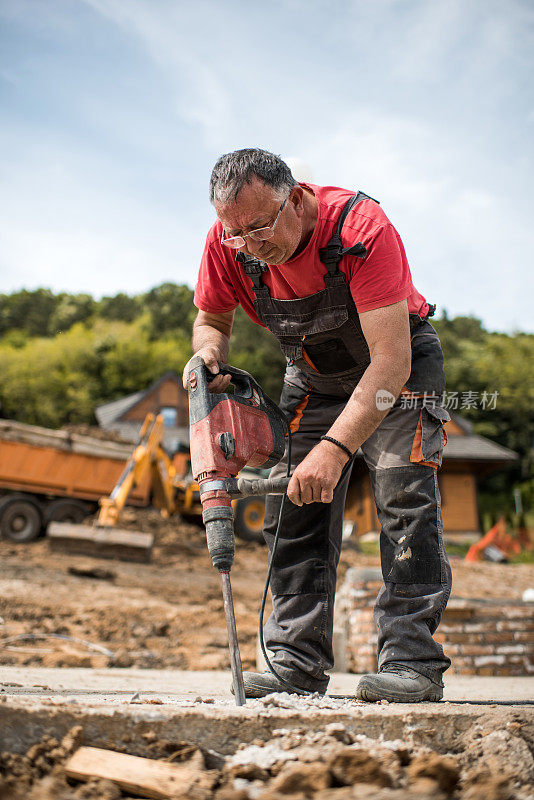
(171,308)
(27,310)
(72,308)
(121,307)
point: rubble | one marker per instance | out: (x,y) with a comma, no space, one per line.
(292,765)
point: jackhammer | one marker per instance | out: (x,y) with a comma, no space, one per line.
(228,432)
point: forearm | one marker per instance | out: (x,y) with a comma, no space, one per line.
(361,417)
(208,336)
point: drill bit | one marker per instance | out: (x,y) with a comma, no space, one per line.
(235,658)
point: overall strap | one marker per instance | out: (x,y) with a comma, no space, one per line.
(334,251)
(254,268)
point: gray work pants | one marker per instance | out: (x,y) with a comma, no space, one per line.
(400,456)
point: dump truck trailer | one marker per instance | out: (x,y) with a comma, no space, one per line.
(56,476)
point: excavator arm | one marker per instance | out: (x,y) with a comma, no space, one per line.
(148,457)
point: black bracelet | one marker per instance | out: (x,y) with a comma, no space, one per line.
(339,444)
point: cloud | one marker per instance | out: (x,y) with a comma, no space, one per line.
(164,30)
(117,111)
(71,225)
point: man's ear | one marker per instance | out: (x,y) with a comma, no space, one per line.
(296,198)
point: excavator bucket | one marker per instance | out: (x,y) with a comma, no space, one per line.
(98,542)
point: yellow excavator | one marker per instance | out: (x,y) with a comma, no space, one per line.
(172,490)
(170,494)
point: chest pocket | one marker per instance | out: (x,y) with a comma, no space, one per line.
(296,326)
(330,356)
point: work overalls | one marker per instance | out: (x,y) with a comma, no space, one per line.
(327,354)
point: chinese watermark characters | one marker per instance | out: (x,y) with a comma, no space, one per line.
(452,401)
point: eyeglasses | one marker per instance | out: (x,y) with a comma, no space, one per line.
(259,235)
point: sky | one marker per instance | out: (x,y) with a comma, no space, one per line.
(113,112)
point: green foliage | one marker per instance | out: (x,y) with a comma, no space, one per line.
(479,361)
(57,380)
(121,307)
(27,311)
(171,308)
(71,308)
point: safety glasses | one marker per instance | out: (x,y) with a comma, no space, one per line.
(258,235)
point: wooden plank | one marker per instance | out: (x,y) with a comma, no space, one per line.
(142,776)
(100,542)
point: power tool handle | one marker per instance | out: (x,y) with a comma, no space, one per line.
(247,487)
(241,379)
(244,382)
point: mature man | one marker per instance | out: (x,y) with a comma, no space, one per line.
(325,271)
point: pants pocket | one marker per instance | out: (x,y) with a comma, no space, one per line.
(409,514)
(430,437)
(293,402)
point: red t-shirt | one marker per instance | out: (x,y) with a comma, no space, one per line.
(381,279)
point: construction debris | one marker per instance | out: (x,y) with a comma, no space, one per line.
(293,764)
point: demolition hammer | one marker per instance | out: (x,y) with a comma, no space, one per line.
(228,432)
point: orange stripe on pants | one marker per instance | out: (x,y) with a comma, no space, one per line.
(299,411)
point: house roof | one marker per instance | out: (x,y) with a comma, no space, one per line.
(477,448)
(109,413)
(468,446)
(465,424)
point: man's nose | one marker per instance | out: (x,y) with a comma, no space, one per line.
(253,246)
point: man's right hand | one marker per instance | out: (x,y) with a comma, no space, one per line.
(211,357)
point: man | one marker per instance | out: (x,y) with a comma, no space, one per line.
(326,272)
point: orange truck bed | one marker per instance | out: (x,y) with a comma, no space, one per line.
(60,464)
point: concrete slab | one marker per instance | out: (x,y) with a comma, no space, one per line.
(119,707)
(107,685)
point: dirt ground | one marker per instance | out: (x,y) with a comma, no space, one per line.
(85,612)
(165,614)
(329,764)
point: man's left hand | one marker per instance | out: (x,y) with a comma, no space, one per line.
(315,478)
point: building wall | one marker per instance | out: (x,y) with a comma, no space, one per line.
(458,499)
(360,505)
(452,428)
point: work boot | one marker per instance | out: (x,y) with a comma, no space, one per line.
(398,684)
(260,684)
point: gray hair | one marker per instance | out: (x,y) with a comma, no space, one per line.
(233,170)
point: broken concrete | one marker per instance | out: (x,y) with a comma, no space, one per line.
(120,706)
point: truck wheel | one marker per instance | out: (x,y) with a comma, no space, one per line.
(249,514)
(66,510)
(20,519)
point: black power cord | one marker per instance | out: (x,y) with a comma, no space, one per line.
(294,689)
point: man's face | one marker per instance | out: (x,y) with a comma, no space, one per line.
(256,206)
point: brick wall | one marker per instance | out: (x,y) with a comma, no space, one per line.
(481,637)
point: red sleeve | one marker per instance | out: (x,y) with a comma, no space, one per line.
(384,277)
(214,292)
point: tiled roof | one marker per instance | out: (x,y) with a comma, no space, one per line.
(107,413)
(472,447)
